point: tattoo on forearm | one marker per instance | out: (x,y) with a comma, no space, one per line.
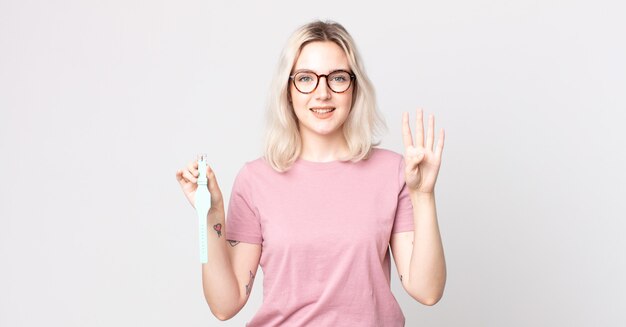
(218,228)
(400,278)
(249,286)
(233,243)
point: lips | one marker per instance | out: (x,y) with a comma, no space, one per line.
(322,110)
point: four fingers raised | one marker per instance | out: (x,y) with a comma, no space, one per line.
(407,137)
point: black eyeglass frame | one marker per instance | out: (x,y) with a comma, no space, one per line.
(319,77)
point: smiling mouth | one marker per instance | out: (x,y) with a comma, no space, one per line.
(322,111)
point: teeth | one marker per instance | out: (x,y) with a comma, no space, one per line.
(322,111)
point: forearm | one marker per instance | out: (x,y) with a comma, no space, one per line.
(221,289)
(427,269)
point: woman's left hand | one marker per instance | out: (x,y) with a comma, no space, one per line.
(421,163)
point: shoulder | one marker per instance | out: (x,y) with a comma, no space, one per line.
(248,175)
(256,167)
(385,156)
(388,164)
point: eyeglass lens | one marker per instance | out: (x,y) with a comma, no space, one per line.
(307,81)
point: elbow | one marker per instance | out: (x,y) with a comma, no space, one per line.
(428,298)
(430,301)
(224,312)
(222,316)
(427,293)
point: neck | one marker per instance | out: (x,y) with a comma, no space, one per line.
(323,148)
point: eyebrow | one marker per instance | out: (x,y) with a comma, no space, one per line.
(311,70)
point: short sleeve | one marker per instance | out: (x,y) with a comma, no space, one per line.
(403,221)
(242,221)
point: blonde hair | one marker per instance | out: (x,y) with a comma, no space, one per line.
(364,123)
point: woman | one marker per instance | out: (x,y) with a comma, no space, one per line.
(321,208)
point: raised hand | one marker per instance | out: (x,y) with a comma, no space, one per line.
(188,177)
(421,163)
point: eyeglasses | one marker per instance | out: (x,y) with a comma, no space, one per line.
(338,81)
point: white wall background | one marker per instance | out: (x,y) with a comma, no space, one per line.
(101,102)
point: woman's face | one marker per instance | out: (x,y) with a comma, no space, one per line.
(322,111)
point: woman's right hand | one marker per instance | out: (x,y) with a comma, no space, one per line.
(188,178)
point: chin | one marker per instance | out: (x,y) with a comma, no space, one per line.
(328,132)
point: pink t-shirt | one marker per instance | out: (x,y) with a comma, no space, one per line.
(325,231)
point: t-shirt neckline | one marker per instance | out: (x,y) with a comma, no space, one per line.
(321,164)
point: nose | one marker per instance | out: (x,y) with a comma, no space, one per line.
(322,91)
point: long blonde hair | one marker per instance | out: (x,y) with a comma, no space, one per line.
(364,123)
